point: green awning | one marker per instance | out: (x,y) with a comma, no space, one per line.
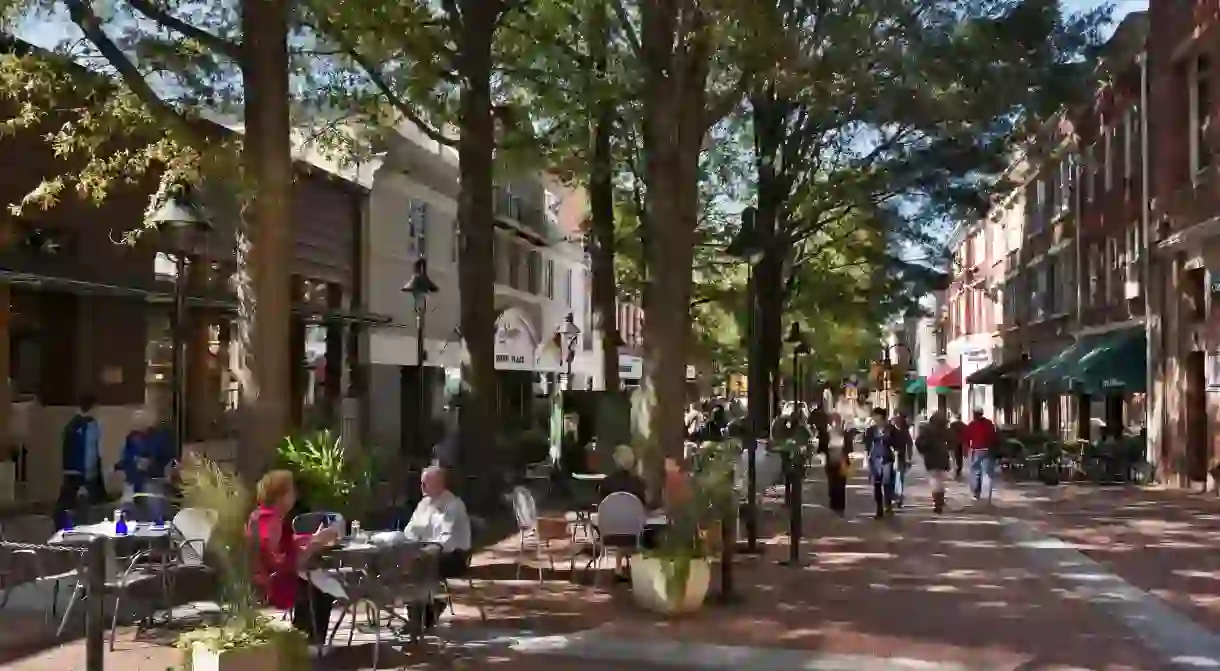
(1054,375)
(1116,364)
(917,386)
(1000,371)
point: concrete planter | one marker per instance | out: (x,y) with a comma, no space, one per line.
(264,657)
(650,578)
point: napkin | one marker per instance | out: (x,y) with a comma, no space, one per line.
(387,538)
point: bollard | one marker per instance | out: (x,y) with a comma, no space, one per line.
(728,543)
(95,582)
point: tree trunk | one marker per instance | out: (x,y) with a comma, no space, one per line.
(675,105)
(476,268)
(266,310)
(767,337)
(601,206)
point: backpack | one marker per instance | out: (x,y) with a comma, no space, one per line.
(72,443)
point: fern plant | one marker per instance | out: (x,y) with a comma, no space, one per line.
(327,476)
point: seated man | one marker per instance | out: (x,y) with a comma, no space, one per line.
(441,518)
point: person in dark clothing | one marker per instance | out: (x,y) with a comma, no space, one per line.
(902,446)
(957,446)
(880,448)
(933,446)
(837,452)
(82,462)
(623,478)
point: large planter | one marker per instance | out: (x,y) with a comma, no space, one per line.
(650,585)
(262,657)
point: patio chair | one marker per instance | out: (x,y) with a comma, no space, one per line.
(621,518)
(139,571)
(525,509)
(477,527)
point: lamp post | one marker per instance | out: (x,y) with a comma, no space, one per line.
(746,246)
(569,334)
(184,224)
(796,455)
(419,286)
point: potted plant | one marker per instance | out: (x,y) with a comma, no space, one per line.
(674,578)
(245,639)
(328,476)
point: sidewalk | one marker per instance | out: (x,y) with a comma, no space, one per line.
(951,592)
(1165,542)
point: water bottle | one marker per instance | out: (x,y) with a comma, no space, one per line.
(356,531)
(120,523)
(68,525)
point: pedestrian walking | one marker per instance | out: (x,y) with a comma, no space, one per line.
(957,441)
(981,439)
(933,445)
(879,445)
(82,462)
(901,432)
(836,451)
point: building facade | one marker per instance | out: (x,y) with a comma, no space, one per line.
(542,277)
(1183,232)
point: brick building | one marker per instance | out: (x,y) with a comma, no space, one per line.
(1184,264)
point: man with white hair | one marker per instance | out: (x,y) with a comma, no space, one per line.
(623,478)
(441,518)
(147,457)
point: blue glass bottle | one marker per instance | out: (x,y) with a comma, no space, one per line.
(120,525)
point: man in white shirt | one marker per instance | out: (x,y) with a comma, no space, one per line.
(441,518)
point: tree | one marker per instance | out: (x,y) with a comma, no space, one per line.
(159,69)
(915,132)
(435,66)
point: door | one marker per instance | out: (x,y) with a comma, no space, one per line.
(1196,417)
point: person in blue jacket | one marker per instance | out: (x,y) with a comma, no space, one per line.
(147,455)
(82,461)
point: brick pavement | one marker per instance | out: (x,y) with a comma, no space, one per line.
(920,587)
(1161,541)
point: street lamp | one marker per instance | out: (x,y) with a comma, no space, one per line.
(795,457)
(185,226)
(569,334)
(747,247)
(419,286)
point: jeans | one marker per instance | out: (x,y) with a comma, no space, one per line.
(882,476)
(982,473)
(900,481)
(311,611)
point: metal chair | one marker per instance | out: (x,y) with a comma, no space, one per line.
(621,518)
(31,562)
(142,567)
(526,511)
(308,523)
(477,526)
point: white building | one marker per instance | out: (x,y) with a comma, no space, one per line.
(541,277)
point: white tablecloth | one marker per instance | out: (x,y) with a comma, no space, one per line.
(141,530)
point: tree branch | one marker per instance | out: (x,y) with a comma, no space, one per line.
(374,75)
(84,17)
(633,40)
(220,45)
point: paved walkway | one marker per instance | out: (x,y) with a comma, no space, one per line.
(974,589)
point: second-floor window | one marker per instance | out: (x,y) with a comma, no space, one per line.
(417,226)
(1090,172)
(533,272)
(514,264)
(1199,86)
(1065,281)
(1009,298)
(1129,138)
(1037,297)
(548,279)
(1063,183)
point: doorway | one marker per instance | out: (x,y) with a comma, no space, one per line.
(1196,417)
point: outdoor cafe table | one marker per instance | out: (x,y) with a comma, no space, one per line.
(140,534)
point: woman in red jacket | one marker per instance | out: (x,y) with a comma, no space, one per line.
(280,557)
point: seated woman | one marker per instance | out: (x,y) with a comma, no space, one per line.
(279,557)
(623,478)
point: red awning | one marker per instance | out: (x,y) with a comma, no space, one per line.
(946,376)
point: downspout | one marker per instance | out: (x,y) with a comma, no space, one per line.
(1153,400)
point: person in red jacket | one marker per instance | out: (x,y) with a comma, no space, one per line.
(980,438)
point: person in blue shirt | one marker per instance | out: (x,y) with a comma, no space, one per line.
(82,461)
(147,454)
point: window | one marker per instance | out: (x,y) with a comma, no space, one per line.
(533,272)
(1065,282)
(1200,114)
(1129,143)
(588,338)
(1094,259)
(1037,296)
(548,279)
(1090,172)
(1010,302)
(567,288)
(417,226)
(514,264)
(1108,136)
(1051,297)
(1063,179)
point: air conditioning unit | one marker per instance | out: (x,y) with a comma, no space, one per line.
(1131,290)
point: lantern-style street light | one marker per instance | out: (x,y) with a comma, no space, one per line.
(569,335)
(420,286)
(185,228)
(747,247)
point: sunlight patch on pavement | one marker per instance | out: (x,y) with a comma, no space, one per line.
(1196,662)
